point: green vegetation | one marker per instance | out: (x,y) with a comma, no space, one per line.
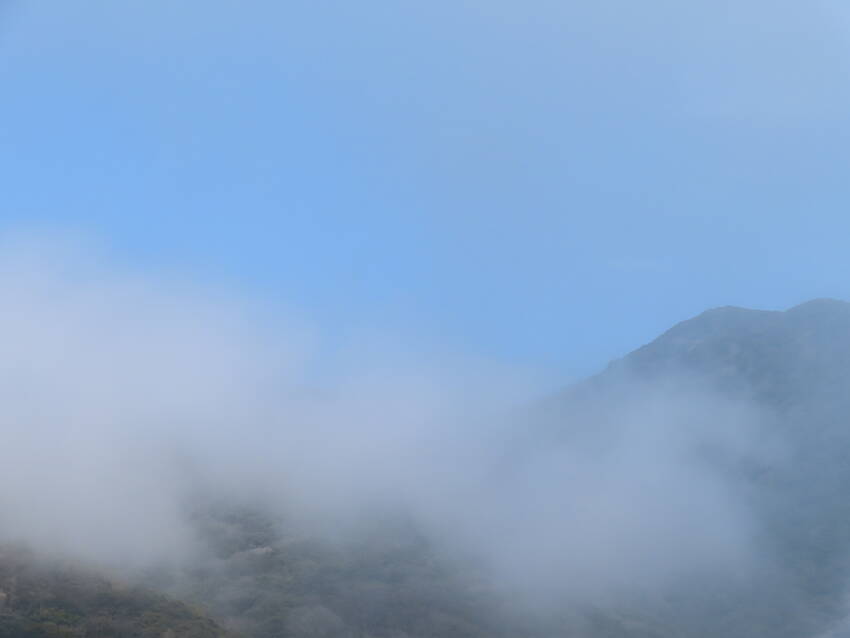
(55,600)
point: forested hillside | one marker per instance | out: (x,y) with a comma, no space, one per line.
(55,599)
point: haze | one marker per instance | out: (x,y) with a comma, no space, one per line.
(371,273)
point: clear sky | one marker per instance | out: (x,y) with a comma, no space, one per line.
(544,183)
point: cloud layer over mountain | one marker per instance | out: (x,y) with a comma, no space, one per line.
(125,394)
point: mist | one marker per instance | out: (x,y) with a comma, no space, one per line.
(124,395)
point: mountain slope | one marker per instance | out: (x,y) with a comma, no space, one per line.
(795,366)
(777,386)
(781,378)
(51,599)
(791,368)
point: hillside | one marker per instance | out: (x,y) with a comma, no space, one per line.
(791,365)
(794,366)
(54,599)
(781,378)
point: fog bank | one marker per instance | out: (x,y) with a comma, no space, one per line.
(125,393)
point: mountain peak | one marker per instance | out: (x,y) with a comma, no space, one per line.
(820,306)
(777,355)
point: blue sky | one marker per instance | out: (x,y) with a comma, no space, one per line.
(546,184)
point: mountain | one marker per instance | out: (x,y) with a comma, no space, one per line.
(783,359)
(757,404)
(794,366)
(790,368)
(776,384)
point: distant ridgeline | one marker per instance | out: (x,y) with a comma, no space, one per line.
(262,580)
